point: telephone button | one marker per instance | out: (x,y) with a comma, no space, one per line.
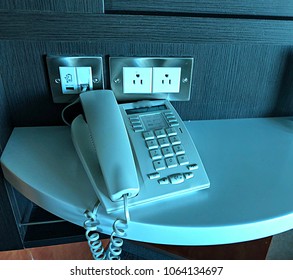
(171,162)
(163,181)
(192,166)
(148,135)
(174,140)
(137,128)
(173,123)
(178,150)
(167,152)
(171,131)
(159,164)
(183,160)
(155,154)
(160,133)
(134,118)
(188,175)
(152,144)
(163,142)
(176,178)
(154,175)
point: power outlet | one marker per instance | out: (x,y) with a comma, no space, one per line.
(137,80)
(166,79)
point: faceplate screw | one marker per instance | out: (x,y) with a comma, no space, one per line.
(117,81)
(95,80)
(184,80)
(57,81)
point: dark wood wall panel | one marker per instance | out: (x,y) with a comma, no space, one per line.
(67,6)
(138,28)
(5,118)
(227,7)
(229,81)
(9,235)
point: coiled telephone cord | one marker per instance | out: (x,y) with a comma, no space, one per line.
(92,235)
(115,247)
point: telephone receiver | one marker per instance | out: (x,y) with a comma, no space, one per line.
(102,138)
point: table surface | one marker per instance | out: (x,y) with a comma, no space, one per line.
(248,161)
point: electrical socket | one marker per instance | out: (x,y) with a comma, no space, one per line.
(179,70)
(137,80)
(166,79)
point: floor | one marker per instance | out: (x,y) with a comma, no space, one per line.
(281,248)
(72,251)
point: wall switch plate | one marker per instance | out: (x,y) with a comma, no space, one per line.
(171,77)
(68,76)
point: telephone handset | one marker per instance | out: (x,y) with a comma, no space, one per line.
(140,149)
(110,140)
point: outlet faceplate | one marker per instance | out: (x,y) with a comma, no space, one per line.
(179,70)
(83,63)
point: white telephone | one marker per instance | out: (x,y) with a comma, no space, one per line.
(133,153)
(141,149)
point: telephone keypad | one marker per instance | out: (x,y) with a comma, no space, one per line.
(165,148)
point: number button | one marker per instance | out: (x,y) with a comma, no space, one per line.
(148,135)
(182,159)
(178,150)
(159,165)
(152,144)
(171,162)
(160,133)
(171,131)
(174,140)
(167,152)
(155,154)
(163,142)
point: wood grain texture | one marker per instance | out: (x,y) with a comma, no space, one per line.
(235,7)
(131,28)
(9,234)
(67,6)
(5,118)
(229,81)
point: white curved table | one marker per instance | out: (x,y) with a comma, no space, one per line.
(249,163)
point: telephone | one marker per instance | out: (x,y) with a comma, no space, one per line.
(141,149)
(133,153)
